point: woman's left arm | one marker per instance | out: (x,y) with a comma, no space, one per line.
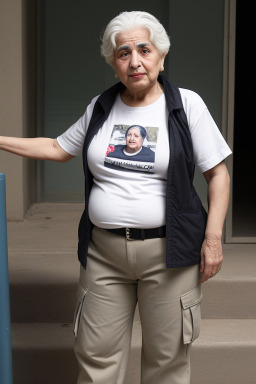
(218,181)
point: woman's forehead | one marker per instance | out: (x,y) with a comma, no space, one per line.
(136,36)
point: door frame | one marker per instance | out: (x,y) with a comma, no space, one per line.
(228,105)
(39,94)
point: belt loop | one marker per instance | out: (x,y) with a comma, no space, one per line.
(142,234)
(127,233)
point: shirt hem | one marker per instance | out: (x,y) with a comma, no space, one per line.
(215,161)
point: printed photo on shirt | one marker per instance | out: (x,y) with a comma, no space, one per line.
(132,147)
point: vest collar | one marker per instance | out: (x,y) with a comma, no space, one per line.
(172,94)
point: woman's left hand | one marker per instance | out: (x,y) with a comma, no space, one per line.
(211,257)
(218,195)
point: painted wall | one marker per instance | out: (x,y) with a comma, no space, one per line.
(16,104)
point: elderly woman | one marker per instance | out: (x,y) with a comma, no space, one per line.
(143,237)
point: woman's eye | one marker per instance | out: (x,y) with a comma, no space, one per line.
(124,54)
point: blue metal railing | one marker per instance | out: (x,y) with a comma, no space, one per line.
(5,324)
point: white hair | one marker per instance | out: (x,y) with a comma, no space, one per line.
(126,21)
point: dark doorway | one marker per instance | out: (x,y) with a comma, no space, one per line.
(244,197)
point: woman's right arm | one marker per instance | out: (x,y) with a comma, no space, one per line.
(41,148)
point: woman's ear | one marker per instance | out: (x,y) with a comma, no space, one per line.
(162,62)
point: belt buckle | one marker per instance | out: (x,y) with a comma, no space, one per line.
(127,234)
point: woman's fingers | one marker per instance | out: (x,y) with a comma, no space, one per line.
(211,257)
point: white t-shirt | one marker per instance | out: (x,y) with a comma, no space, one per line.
(130,191)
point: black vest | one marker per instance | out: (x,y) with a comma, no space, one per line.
(185,215)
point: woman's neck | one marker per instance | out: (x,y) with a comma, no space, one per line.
(143,97)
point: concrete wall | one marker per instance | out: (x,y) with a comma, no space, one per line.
(17,99)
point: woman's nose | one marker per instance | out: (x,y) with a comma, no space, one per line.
(135,62)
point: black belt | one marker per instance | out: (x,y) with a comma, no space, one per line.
(139,234)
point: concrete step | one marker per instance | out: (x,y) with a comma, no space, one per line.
(43,286)
(224,353)
(232,292)
(44,269)
(47,227)
(43,265)
(43,353)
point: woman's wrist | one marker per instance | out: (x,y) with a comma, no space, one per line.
(213,236)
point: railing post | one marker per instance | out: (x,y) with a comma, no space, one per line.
(6,376)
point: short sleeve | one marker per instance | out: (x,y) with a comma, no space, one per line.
(209,146)
(72,140)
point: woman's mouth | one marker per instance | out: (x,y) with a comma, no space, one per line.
(137,75)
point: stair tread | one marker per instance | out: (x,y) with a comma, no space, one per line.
(43,263)
(48,227)
(47,276)
(50,230)
(225,352)
(56,335)
(29,268)
(43,268)
(227,331)
(22,264)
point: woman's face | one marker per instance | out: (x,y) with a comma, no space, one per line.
(134,140)
(137,61)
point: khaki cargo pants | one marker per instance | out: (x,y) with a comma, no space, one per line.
(119,274)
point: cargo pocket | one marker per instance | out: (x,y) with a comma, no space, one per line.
(81,294)
(191,314)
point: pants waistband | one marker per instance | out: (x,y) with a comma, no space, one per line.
(139,233)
